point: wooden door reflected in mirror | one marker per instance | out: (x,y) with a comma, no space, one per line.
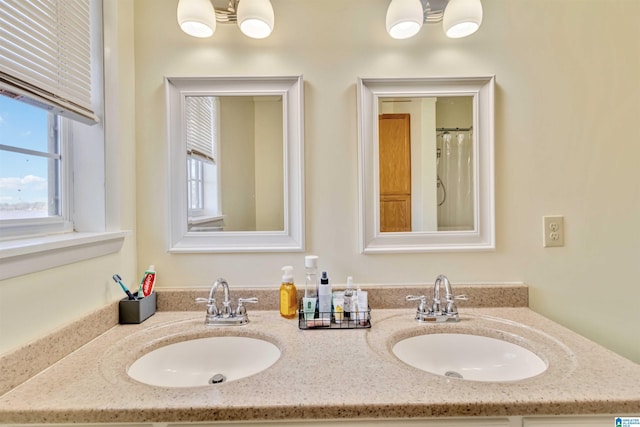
(395,172)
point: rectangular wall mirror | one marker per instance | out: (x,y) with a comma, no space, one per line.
(426,164)
(235,161)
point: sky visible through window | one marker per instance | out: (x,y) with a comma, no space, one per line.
(23,177)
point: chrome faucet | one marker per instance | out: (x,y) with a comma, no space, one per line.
(438,311)
(227,316)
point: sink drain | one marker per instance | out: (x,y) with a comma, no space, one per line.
(217,379)
(453,374)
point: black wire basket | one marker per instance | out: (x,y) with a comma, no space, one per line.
(328,320)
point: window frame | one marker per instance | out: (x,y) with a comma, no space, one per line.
(208,163)
(96,231)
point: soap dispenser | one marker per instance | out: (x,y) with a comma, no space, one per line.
(288,294)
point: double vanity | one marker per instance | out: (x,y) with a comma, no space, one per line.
(501,363)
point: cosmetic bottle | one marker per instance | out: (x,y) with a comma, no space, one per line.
(338,307)
(310,299)
(324,299)
(288,295)
(363,307)
(348,295)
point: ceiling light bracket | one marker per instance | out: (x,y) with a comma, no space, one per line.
(433,10)
(226,11)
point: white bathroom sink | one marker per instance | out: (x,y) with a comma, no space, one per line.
(203,361)
(469,357)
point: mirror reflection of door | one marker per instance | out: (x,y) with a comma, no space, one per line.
(394,133)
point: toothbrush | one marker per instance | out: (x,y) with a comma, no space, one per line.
(118,280)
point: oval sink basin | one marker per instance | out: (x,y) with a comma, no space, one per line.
(203,361)
(469,357)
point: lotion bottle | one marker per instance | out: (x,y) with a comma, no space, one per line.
(288,295)
(348,297)
(324,299)
(363,307)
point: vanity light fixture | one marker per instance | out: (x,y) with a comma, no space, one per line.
(198,18)
(404,18)
(460,18)
(255,18)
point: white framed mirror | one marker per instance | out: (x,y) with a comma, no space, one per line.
(236,164)
(426,164)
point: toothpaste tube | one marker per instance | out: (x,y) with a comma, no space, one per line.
(148,282)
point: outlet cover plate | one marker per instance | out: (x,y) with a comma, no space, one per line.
(553,231)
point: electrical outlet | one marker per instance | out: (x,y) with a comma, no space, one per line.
(553,231)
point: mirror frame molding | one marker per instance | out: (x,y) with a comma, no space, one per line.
(291,239)
(482,238)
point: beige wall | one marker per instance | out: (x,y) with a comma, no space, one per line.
(237,157)
(36,304)
(268,165)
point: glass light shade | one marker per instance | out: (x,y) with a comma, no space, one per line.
(462,18)
(404,18)
(255,18)
(197,17)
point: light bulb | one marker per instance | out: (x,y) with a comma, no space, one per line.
(255,18)
(197,17)
(404,18)
(462,18)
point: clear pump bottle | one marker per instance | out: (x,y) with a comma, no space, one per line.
(288,294)
(311,276)
(310,299)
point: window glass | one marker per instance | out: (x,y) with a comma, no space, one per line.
(202,184)
(195,186)
(30,162)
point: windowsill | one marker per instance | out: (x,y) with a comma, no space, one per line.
(23,256)
(205,218)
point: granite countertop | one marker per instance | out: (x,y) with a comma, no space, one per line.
(328,374)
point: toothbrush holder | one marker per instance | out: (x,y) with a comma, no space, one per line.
(137,311)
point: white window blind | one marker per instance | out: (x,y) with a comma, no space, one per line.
(201,126)
(45,54)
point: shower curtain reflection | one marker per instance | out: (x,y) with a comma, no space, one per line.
(455,180)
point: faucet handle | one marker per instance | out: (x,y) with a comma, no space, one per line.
(212,309)
(242,310)
(450,307)
(422,307)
